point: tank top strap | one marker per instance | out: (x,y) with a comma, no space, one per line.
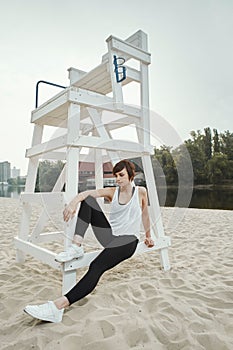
(115,195)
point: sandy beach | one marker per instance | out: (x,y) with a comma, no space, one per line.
(136,305)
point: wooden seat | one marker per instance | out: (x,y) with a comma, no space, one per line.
(99,80)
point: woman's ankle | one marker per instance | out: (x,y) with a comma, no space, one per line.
(76,243)
(77,240)
(61,303)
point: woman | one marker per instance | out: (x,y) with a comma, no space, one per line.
(119,235)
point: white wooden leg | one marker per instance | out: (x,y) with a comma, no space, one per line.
(164,259)
(72,166)
(23,231)
(153,196)
(155,211)
(29,187)
(69,280)
(20,256)
(98,168)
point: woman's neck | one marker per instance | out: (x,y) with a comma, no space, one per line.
(127,188)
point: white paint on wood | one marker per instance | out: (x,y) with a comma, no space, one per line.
(123,47)
(51,145)
(39,253)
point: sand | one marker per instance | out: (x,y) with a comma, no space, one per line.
(136,305)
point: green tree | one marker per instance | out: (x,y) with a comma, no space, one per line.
(211,157)
(230,170)
(184,166)
(207,143)
(227,144)
(216,141)
(165,158)
(47,175)
(198,161)
(217,168)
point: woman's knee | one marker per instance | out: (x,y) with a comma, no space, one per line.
(87,204)
(92,203)
(95,268)
(90,199)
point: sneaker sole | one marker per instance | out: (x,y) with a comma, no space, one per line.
(41,319)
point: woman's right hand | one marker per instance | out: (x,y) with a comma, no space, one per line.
(69,211)
(149,242)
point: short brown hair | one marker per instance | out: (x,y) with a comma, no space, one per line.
(129,166)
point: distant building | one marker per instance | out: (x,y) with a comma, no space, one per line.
(15,173)
(87,174)
(5,171)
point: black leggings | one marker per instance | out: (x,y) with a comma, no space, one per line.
(117,248)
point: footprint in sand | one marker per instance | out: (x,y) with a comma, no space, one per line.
(202,314)
(149,290)
(137,337)
(210,272)
(70,342)
(211,341)
(107,328)
(152,305)
(197,327)
(228,283)
(4,277)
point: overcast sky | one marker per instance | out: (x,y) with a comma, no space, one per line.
(191,75)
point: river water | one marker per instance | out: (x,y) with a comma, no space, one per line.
(203,198)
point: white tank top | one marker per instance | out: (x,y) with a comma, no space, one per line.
(125,219)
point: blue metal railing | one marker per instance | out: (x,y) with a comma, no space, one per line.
(119,70)
(48,83)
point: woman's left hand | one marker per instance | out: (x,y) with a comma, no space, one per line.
(149,242)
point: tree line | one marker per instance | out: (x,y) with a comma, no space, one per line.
(211,155)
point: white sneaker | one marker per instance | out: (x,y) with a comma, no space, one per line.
(73,252)
(45,312)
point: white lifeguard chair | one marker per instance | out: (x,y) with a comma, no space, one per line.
(89,110)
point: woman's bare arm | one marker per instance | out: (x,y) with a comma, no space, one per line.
(71,208)
(145,218)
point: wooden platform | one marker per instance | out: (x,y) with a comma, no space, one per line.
(54,112)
